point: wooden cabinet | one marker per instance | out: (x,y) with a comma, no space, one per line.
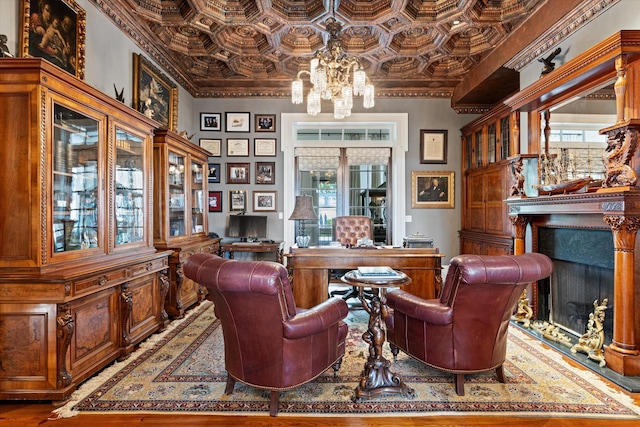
(180,213)
(488,147)
(80,281)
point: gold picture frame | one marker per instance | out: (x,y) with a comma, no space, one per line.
(154,95)
(56,34)
(432,189)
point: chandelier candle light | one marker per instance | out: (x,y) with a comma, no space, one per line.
(330,76)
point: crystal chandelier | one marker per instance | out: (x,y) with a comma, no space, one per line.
(330,76)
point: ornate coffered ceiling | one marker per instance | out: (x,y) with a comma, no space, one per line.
(243,48)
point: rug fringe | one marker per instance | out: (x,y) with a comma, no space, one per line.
(594,379)
(91,384)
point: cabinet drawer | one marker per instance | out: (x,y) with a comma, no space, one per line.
(103,280)
(146,267)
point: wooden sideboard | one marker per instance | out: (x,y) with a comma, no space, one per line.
(310,269)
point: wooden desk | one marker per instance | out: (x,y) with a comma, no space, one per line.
(276,248)
(310,269)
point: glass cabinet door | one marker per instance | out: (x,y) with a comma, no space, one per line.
(129,187)
(177,219)
(75,181)
(197,198)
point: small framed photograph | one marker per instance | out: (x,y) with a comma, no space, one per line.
(264,147)
(265,123)
(433,146)
(215,201)
(238,173)
(214,172)
(210,121)
(264,201)
(213,146)
(237,147)
(432,189)
(237,200)
(265,172)
(237,122)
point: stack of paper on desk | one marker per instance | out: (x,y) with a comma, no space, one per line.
(376,272)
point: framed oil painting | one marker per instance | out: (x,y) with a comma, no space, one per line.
(55,30)
(237,200)
(237,122)
(432,189)
(265,172)
(433,146)
(215,201)
(154,95)
(264,201)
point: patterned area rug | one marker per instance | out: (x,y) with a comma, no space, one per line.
(182,370)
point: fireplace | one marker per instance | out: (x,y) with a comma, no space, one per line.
(583,273)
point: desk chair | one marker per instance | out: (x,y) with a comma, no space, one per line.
(348,230)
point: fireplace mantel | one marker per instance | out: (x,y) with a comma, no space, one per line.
(617,209)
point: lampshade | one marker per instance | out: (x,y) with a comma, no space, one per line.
(303,208)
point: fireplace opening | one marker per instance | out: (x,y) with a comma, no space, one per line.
(582,273)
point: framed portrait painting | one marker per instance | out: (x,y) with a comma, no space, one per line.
(55,30)
(264,201)
(433,146)
(210,121)
(215,201)
(238,173)
(154,95)
(237,122)
(237,200)
(432,189)
(265,122)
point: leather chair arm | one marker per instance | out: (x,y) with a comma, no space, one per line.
(429,311)
(316,319)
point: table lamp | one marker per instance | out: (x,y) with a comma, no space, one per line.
(303,211)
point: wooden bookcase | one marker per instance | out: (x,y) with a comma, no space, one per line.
(180,213)
(488,146)
(80,281)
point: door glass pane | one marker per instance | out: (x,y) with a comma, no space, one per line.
(75,181)
(129,188)
(322,185)
(368,196)
(197,198)
(176,195)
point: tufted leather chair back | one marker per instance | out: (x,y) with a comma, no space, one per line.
(465,330)
(268,342)
(348,229)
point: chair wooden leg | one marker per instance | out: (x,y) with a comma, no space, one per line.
(231,382)
(273,404)
(460,384)
(336,367)
(500,374)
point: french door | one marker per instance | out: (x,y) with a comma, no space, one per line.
(344,181)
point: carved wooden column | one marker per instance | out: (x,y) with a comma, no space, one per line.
(519,223)
(623,354)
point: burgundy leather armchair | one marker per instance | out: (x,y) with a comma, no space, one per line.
(268,342)
(465,330)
